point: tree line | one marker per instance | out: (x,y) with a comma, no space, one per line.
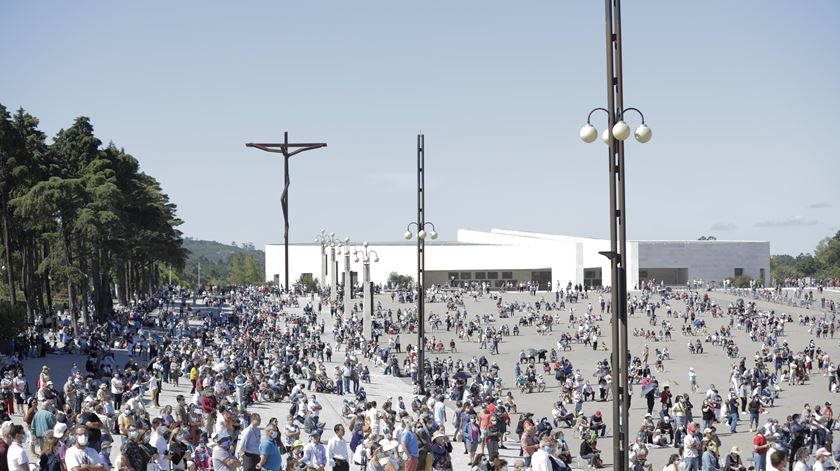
(79,221)
(823,265)
(220,264)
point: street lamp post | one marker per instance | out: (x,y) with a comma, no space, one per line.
(348,284)
(333,269)
(288,150)
(614,135)
(421,259)
(367,318)
(325,240)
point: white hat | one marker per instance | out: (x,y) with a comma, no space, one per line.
(59,430)
(388,445)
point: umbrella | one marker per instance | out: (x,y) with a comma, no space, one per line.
(650,387)
(462,375)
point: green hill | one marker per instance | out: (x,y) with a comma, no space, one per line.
(221,264)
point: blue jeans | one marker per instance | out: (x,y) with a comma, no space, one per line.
(753,419)
(692,464)
(733,421)
(760,461)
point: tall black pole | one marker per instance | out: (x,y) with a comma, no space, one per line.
(618,259)
(421,262)
(624,363)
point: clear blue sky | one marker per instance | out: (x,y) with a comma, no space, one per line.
(742,97)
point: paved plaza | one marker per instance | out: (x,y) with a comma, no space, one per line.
(712,367)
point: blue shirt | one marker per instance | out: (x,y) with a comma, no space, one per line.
(273,462)
(409,440)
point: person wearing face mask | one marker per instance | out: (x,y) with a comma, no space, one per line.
(541,459)
(92,423)
(134,455)
(181,414)
(295,461)
(471,433)
(248,447)
(81,458)
(16,457)
(315,453)
(223,459)
(19,389)
(270,459)
(410,445)
(158,441)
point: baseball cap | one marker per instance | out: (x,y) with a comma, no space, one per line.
(823,452)
(59,430)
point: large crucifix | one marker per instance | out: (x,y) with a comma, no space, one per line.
(287,150)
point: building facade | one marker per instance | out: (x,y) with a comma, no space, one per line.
(501,256)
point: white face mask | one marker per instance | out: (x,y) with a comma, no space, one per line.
(82,440)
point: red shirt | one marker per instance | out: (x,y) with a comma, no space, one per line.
(758,441)
(208,404)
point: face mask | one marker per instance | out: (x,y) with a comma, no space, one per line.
(134,434)
(82,440)
(273,434)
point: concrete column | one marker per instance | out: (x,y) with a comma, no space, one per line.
(334,272)
(348,288)
(323,280)
(367,322)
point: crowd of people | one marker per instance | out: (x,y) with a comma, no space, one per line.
(266,346)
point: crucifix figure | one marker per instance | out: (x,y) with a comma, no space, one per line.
(287,150)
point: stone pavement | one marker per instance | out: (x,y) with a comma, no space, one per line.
(712,367)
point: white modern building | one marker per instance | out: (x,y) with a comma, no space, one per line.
(500,256)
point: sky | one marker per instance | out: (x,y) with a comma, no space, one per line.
(742,98)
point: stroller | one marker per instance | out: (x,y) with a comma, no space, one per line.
(324,384)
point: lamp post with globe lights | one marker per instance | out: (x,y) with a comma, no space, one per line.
(614,135)
(367,256)
(345,249)
(421,225)
(325,240)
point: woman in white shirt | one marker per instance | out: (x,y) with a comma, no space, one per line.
(16,456)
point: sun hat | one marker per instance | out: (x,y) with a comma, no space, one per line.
(735,450)
(59,430)
(388,445)
(297,443)
(438,434)
(823,452)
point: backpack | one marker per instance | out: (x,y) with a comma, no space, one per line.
(53,463)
